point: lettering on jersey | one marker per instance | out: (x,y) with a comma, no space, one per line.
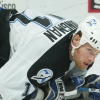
(61,89)
(27,86)
(62,28)
(43,75)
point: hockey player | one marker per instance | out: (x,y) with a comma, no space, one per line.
(49,56)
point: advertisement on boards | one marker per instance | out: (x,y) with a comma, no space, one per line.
(20,5)
(71,9)
(94,6)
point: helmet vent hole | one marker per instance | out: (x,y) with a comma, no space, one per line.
(91,32)
(91,38)
(95,42)
(97,47)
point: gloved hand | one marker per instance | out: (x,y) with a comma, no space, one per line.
(92,81)
(64,88)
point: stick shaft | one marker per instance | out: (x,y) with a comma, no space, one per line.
(89,89)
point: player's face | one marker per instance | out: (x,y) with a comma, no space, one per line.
(85,55)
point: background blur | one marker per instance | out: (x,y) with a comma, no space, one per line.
(75,10)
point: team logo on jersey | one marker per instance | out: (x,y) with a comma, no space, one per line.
(43,75)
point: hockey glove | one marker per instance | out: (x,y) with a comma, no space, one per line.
(92,81)
(60,89)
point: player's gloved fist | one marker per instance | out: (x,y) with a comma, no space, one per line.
(71,87)
(93,81)
(64,88)
(56,90)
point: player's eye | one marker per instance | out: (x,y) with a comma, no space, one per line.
(90,50)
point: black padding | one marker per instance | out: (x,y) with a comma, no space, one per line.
(69,85)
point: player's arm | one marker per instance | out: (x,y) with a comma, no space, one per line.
(4,34)
(40,79)
(64,88)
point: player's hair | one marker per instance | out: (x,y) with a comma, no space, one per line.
(79,33)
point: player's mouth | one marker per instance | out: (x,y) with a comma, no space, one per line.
(86,64)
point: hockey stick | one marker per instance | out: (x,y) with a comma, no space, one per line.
(88,89)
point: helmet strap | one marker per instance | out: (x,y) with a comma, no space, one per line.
(73,49)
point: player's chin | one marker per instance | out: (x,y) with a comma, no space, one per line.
(82,66)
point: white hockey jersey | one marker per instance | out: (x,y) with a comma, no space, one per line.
(30,39)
